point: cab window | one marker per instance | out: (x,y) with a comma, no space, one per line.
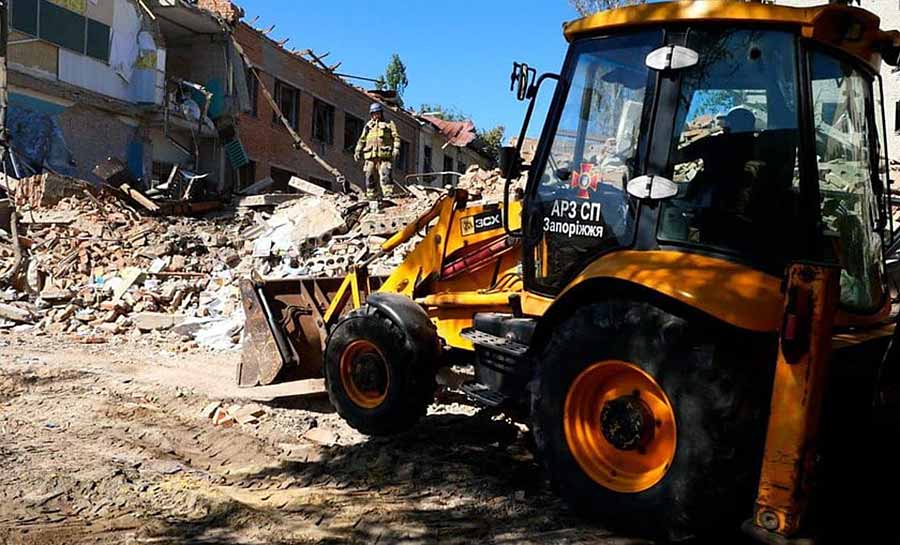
(580,207)
(734,153)
(845,136)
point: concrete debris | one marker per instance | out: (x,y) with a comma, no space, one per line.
(45,190)
(307,187)
(226,417)
(266,200)
(487,184)
(17,313)
(322,436)
(97,268)
(223,419)
(155,321)
(210,409)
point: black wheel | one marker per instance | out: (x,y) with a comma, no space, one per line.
(375,378)
(651,422)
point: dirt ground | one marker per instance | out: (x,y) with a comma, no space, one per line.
(107,444)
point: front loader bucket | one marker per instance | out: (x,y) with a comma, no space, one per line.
(284,335)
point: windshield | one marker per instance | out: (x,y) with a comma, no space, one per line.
(734,151)
(580,198)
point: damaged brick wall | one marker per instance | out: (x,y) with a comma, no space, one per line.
(269,145)
(93,135)
(228,10)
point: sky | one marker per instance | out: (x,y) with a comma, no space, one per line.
(458,54)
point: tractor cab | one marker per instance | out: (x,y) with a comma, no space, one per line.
(730,131)
(707,201)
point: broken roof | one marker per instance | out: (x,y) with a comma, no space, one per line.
(457,133)
(180,19)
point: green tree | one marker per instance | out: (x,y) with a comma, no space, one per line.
(587,7)
(395,75)
(491,141)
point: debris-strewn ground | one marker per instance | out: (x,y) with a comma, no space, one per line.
(101,446)
(97,265)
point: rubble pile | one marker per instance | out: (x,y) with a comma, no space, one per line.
(98,266)
(325,235)
(487,184)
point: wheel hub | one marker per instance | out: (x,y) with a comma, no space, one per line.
(619,426)
(369,373)
(627,423)
(365,375)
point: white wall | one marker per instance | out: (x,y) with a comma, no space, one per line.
(144,85)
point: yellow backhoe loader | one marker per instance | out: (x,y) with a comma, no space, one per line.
(698,254)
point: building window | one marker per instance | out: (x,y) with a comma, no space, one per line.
(288,100)
(448,179)
(461,167)
(97,45)
(246,175)
(353,128)
(323,122)
(897,117)
(426,163)
(281,178)
(253,93)
(24,16)
(403,158)
(58,25)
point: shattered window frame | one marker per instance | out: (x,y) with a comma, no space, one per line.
(62,32)
(427,157)
(253,93)
(17,10)
(246,175)
(403,157)
(448,167)
(293,113)
(353,129)
(323,122)
(92,33)
(97,43)
(897,117)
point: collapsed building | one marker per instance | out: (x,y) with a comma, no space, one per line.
(160,84)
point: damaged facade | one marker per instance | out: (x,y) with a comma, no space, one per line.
(156,84)
(82,76)
(329,114)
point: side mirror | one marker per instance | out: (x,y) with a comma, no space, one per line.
(522,80)
(510,163)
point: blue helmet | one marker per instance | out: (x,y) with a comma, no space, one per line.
(375,108)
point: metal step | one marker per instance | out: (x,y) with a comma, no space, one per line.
(497,344)
(483,395)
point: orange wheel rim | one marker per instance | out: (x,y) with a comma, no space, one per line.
(365,374)
(620,426)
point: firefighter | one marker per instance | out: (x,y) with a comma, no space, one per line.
(379,145)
